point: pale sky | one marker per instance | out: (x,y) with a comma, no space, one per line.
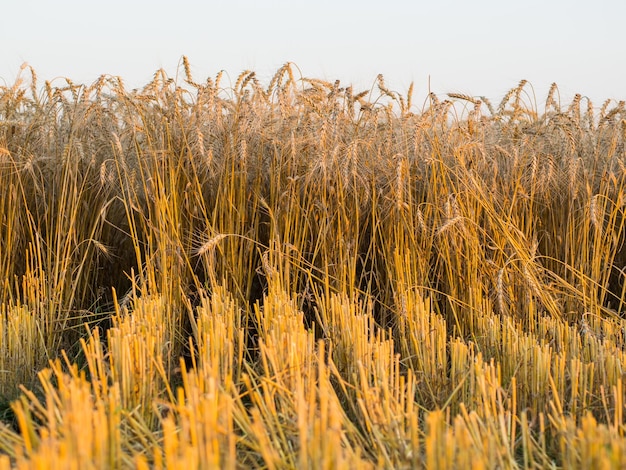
(479,47)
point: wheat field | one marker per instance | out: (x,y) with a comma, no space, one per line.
(299,274)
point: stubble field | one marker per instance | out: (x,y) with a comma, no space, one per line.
(302,275)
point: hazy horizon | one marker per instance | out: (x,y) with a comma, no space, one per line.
(481,49)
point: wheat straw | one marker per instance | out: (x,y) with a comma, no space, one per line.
(308,283)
